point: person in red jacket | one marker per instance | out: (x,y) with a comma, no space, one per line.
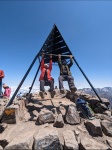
(7,91)
(1,77)
(45,77)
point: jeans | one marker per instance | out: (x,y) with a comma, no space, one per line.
(49,83)
(68,78)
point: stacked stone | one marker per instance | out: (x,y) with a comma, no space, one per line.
(56,124)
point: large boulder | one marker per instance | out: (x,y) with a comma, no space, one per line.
(70,140)
(45,116)
(22,141)
(72,116)
(59,123)
(47,138)
(100,108)
(16,134)
(94,127)
(107,127)
(88,143)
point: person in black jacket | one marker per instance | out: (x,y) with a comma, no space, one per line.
(65,74)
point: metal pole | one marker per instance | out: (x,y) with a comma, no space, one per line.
(88,80)
(19,86)
(56,55)
(35,77)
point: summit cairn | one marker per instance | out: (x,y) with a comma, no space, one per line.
(55,123)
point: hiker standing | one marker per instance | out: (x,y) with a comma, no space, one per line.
(65,74)
(7,91)
(45,77)
(1,77)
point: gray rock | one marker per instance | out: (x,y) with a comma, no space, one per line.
(26,116)
(3,126)
(35,113)
(59,123)
(77,135)
(70,140)
(62,110)
(107,127)
(45,116)
(106,101)
(93,99)
(103,117)
(54,110)
(1,147)
(72,116)
(10,114)
(107,112)
(47,139)
(109,141)
(99,109)
(22,141)
(17,132)
(94,127)
(61,102)
(2,103)
(1,110)
(88,143)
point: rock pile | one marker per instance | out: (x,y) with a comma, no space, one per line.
(55,124)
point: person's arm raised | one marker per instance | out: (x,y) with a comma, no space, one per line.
(59,60)
(50,63)
(71,61)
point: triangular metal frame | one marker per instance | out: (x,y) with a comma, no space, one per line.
(54,45)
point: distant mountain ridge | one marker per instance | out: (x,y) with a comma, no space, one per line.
(105,92)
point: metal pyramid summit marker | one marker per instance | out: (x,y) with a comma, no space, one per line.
(55,44)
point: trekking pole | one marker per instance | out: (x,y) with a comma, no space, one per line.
(88,81)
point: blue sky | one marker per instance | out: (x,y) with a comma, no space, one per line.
(86,27)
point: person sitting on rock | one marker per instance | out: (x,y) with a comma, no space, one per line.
(7,91)
(83,107)
(65,74)
(45,77)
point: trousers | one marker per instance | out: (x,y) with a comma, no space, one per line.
(49,83)
(68,78)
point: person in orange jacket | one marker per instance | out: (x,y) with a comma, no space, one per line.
(45,77)
(1,77)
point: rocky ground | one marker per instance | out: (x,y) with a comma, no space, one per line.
(54,124)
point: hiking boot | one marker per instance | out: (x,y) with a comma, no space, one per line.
(41,94)
(62,91)
(73,90)
(91,118)
(52,94)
